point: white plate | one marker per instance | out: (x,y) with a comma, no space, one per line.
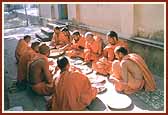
(97,80)
(78,62)
(119,101)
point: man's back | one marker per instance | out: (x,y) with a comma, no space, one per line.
(36,74)
(133,69)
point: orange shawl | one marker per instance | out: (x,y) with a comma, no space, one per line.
(73,92)
(20,48)
(150,84)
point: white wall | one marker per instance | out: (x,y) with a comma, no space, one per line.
(126,19)
(71,11)
(149,17)
(45,10)
(122,18)
(102,16)
(117,17)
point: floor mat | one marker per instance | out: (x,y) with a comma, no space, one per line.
(153,99)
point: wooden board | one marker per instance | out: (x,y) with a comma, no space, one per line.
(55,53)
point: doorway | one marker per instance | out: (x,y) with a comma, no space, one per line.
(63,11)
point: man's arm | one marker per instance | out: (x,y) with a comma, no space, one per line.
(100,47)
(124,71)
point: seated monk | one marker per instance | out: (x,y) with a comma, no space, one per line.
(56,35)
(21,47)
(103,65)
(77,47)
(60,38)
(93,47)
(73,91)
(130,73)
(40,78)
(24,59)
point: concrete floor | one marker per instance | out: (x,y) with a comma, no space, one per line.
(28,102)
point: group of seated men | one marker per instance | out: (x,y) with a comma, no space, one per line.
(72,90)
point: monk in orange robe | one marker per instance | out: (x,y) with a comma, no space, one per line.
(103,65)
(56,35)
(76,49)
(21,47)
(61,38)
(131,73)
(40,78)
(24,59)
(73,91)
(93,47)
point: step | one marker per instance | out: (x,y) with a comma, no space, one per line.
(42,36)
(150,41)
(52,25)
(47,31)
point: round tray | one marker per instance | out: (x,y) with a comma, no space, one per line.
(55,53)
(119,101)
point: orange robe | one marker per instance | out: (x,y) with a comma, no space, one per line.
(60,39)
(104,66)
(73,92)
(20,48)
(54,39)
(108,51)
(22,67)
(41,84)
(133,84)
(93,50)
(77,48)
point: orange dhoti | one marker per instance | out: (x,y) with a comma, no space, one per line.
(75,53)
(132,86)
(43,88)
(103,66)
(90,56)
(77,48)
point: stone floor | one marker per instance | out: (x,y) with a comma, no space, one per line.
(31,102)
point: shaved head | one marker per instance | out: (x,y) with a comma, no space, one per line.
(44,49)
